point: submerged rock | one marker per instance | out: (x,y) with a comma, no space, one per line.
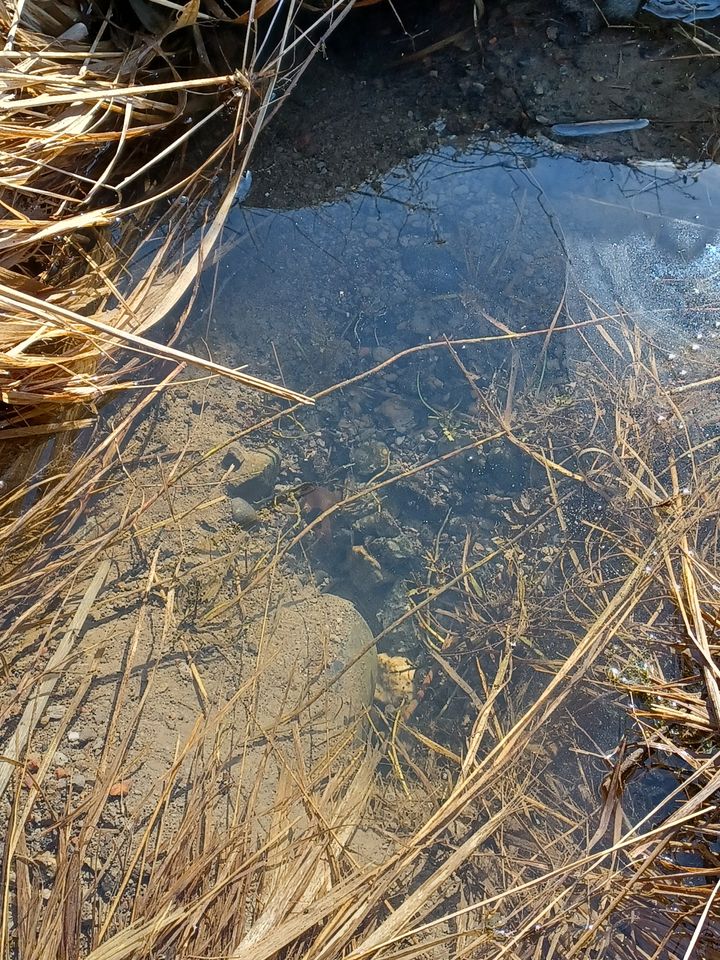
(370,458)
(395,680)
(307,650)
(255,472)
(243,513)
(398,413)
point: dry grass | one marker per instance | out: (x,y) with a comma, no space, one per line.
(112,138)
(124,150)
(518,856)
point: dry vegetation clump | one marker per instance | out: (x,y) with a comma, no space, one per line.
(535,832)
(126,131)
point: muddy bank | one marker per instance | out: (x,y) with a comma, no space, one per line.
(375,98)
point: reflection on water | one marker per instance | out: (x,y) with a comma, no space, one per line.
(447,238)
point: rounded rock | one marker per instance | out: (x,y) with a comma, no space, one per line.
(243,513)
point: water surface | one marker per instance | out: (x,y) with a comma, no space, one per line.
(462,243)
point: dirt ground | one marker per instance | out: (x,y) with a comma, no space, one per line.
(402,88)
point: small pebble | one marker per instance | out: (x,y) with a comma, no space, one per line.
(73,736)
(381,354)
(243,513)
(55,713)
(119,789)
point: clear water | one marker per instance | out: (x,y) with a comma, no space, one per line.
(463,243)
(503,230)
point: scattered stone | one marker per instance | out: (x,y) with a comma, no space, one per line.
(374,525)
(395,681)
(552,33)
(61,759)
(119,789)
(421,324)
(243,513)
(399,548)
(381,354)
(366,569)
(55,713)
(78,781)
(255,472)
(80,736)
(370,458)
(399,414)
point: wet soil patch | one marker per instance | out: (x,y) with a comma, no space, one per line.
(388,88)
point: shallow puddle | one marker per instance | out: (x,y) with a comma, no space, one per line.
(463,243)
(472,244)
(500,229)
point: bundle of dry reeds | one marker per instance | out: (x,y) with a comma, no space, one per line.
(116,120)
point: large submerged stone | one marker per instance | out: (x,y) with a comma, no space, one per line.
(254,472)
(315,667)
